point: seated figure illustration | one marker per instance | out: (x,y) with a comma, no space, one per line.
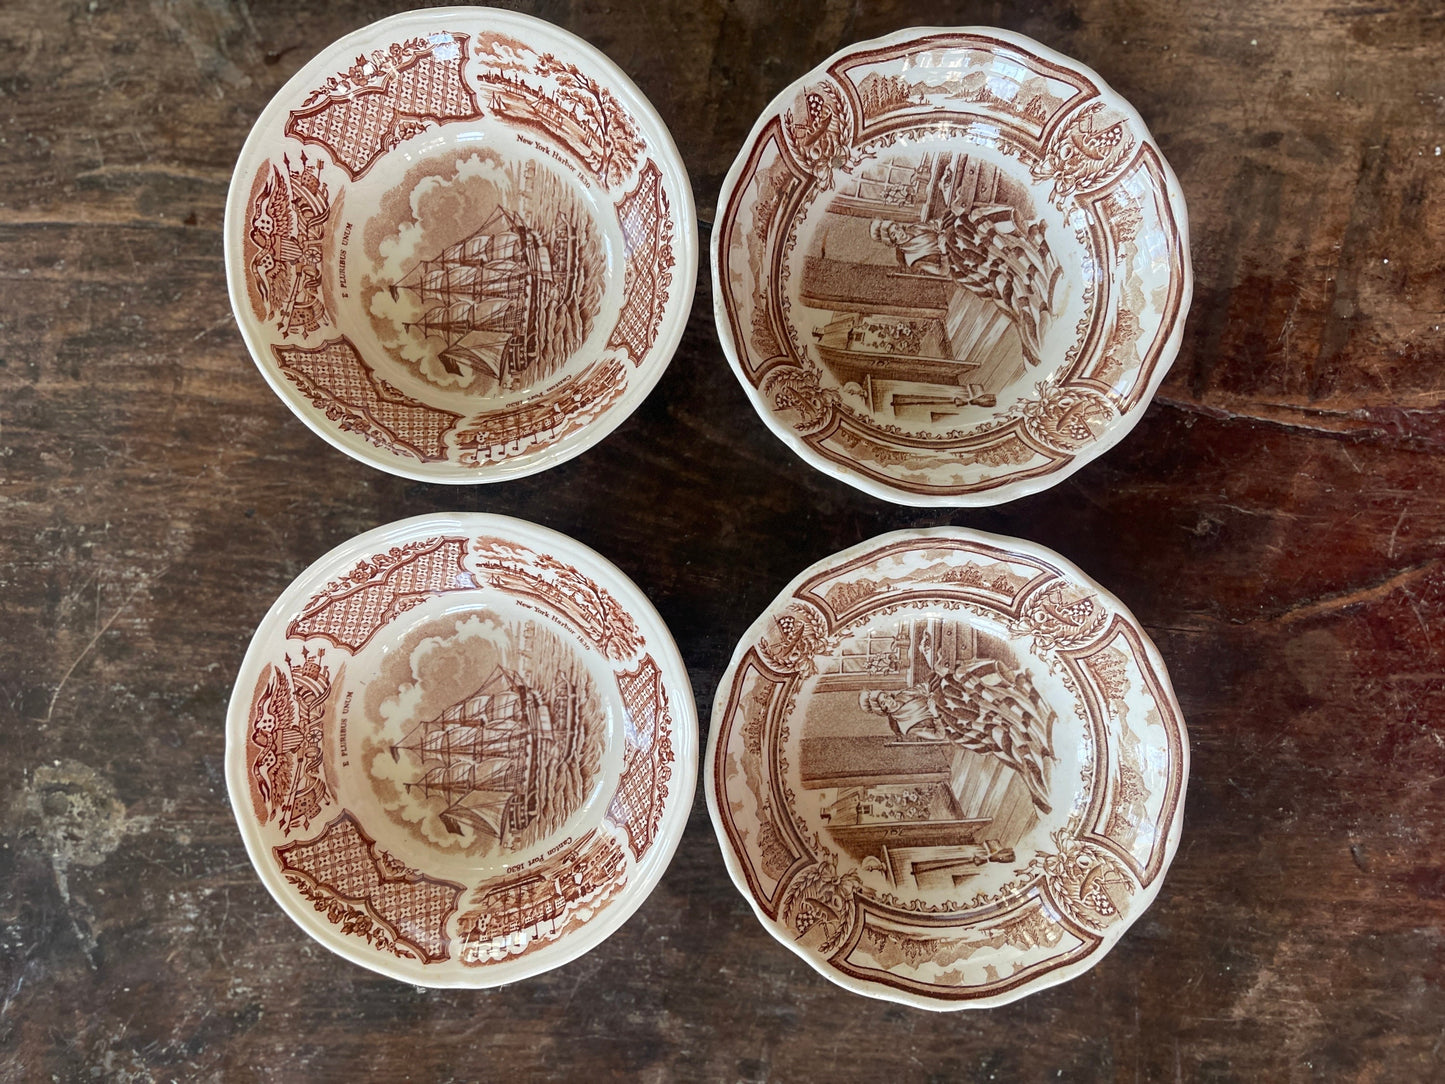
(928,752)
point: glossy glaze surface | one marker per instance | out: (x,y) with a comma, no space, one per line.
(947,769)
(460,750)
(461,245)
(951,266)
(1273,523)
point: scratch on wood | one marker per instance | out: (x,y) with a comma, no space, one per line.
(1330,603)
(50,710)
(1390,550)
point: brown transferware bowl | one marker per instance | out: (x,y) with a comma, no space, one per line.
(951,266)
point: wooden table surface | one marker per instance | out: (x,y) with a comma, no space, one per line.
(1275,521)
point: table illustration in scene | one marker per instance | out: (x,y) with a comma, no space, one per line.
(946,769)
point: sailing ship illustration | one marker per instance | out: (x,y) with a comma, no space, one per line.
(500,299)
(491,756)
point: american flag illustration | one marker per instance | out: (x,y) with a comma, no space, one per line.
(990,254)
(992,711)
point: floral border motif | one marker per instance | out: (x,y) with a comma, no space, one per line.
(795,389)
(353,608)
(1066,417)
(797,636)
(819,898)
(384,99)
(1081,156)
(1086,881)
(817,128)
(367,893)
(1060,616)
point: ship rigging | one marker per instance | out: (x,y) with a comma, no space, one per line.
(494,297)
(492,755)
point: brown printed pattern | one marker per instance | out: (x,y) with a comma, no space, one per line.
(369,894)
(284,743)
(284,246)
(1041,88)
(359,114)
(1107,661)
(502,767)
(386,98)
(889,952)
(574,403)
(351,610)
(1087,152)
(560,101)
(766,862)
(1065,418)
(1062,616)
(538,905)
(1027,928)
(797,636)
(365,892)
(890,361)
(646,222)
(564,590)
(647,762)
(338,382)
(908,944)
(817,129)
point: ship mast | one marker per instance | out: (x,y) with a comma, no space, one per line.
(484,297)
(484,757)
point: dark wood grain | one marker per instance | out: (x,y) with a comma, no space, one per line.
(1276,522)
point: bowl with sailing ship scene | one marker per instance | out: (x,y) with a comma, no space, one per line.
(947,769)
(461,749)
(461,245)
(950,266)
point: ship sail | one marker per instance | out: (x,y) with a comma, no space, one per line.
(483,810)
(476,350)
(487,296)
(483,756)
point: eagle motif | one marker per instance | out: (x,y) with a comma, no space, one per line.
(288,236)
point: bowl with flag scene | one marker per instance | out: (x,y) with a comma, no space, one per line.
(950,266)
(947,769)
(461,750)
(461,245)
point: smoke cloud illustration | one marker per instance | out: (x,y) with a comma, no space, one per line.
(445,208)
(444,664)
